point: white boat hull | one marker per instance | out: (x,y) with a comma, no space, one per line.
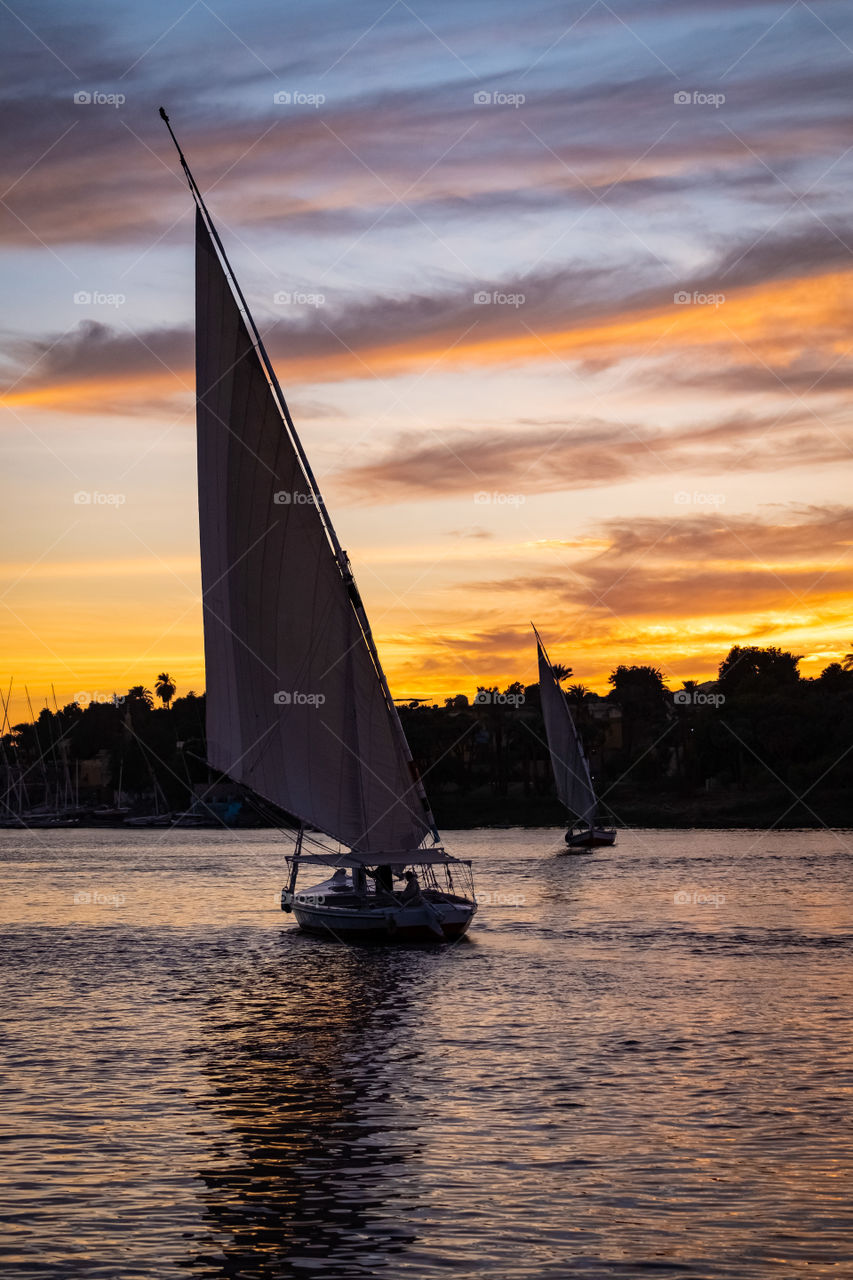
(441,920)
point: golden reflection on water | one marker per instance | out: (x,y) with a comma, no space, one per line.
(304,1076)
(602,1081)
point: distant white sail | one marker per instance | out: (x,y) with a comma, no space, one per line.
(295,706)
(571,771)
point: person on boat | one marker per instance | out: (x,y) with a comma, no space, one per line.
(412,892)
(384,878)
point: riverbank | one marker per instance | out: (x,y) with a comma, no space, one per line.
(723,810)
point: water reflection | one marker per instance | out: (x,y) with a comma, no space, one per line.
(306,1061)
(605,1081)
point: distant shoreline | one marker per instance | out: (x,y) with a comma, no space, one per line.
(498,822)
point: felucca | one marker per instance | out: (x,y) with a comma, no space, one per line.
(298,707)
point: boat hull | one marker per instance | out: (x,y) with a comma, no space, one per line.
(597,838)
(434,922)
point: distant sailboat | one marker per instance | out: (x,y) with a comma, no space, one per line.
(571,770)
(298,707)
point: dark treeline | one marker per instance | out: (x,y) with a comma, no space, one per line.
(117,748)
(760,745)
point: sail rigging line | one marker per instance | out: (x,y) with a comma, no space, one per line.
(7,767)
(340,555)
(41,759)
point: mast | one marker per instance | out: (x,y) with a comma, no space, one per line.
(7,767)
(340,555)
(41,754)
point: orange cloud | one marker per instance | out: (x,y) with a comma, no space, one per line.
(771,323)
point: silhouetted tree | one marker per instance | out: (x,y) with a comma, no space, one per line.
(576,694)
(165,688)
(138,696)
(645,703)
(752,669)
(457,703)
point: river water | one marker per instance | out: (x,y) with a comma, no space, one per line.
(638,1064)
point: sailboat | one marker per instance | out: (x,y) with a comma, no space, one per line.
(299,711)
(568,760)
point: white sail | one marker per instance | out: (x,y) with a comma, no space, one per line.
(571,771)
(295,706)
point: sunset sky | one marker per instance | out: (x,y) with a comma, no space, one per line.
(649,478)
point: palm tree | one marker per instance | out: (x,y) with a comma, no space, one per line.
(165,688)
(577,693)
(847,664)
(561,673)
(138,694)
